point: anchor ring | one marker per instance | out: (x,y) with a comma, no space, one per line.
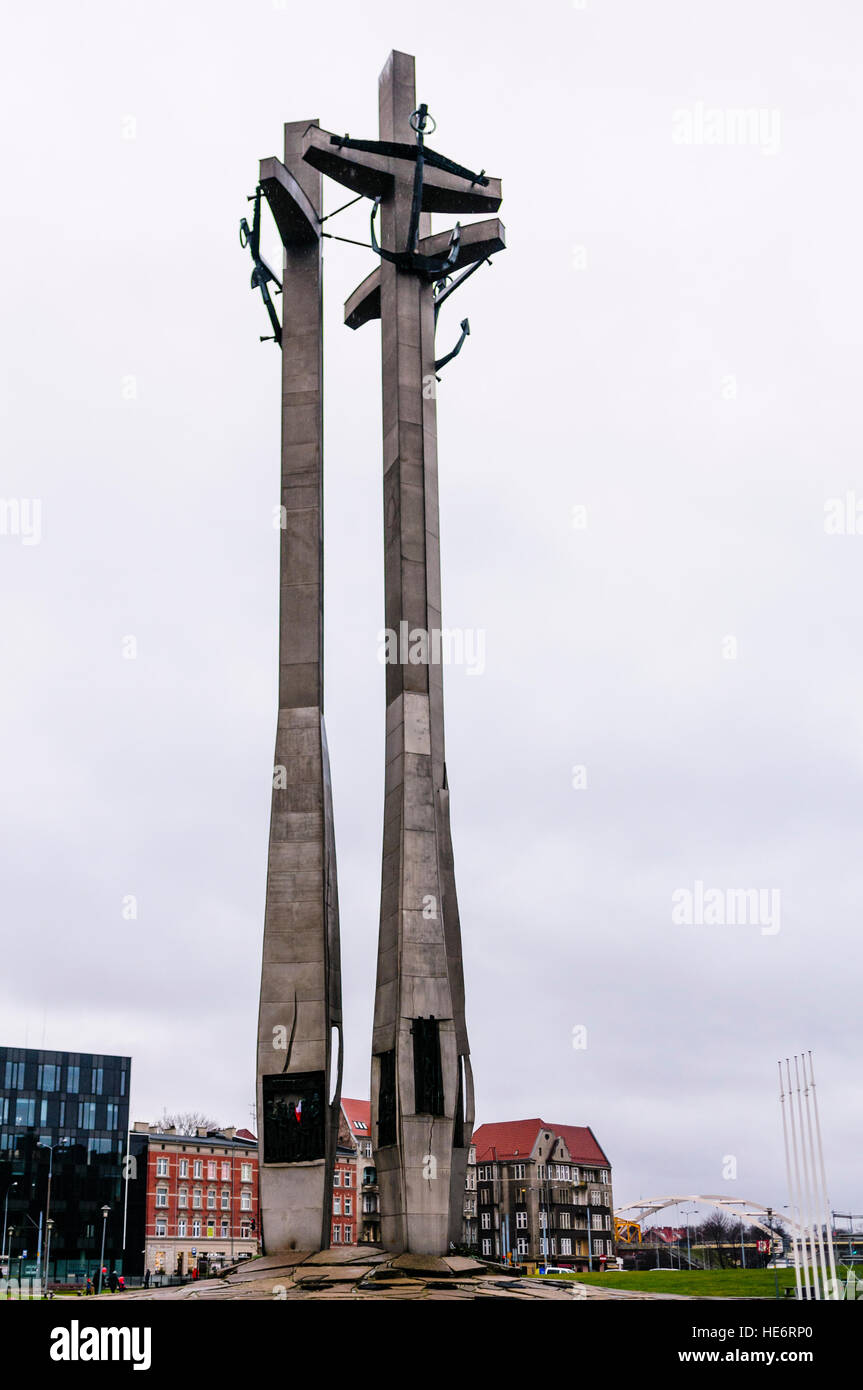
(421,123)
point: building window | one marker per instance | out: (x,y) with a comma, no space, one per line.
(43,1116)
(485,1196)
(198,1170)
(347,1178)
(161,1228)
(211,1200)
(25,1111)
(521,1245)
(226,1172)
(181,1226)
(97,1080)
(197,1199)
(246,1201)
(337,1206)
(521,1220)
(196,1230)
(245,1172)
(245,1230)
(224,1228)
(226,1200)
(183,1199)
(211,1169)
(486,1247)
(184,1167)
(486,1220)
(73,1078)
(337,1178)
(566,1245)
(349,1235)
(337,1235)
(47,1077)
(14,1076)
(112,1115)
(161,1196)
(349,1207)
(518,1170)
(161,1167)
(86,1114)
(603,1176)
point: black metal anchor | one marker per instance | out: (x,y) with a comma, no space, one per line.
(411,259)
(442,291)
(262,274)
(442,361)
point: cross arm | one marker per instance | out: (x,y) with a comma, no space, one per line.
(292,211)
(371,172)
(479,240)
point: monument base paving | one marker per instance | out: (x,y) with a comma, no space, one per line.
(367,1272)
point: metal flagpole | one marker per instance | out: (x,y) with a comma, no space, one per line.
(795,1215)
(825,1198)
(803,1176)
(816,1203)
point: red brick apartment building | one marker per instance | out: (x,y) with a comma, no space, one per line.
(356,1201)
(193,1202)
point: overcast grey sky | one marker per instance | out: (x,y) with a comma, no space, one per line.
(671,341)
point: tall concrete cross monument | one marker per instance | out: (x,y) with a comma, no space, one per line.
(421,1082)
(299,1065)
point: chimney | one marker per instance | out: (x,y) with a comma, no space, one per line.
(140,1127)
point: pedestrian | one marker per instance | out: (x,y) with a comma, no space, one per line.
(112,1281)
(146,1278)
(89,1284)
(121,1283)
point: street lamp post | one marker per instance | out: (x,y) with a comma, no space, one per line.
(687,1212)
(48,1222)
(50,1226)
(105,1210)
(5,1218)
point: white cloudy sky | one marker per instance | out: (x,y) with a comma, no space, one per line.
(672,340)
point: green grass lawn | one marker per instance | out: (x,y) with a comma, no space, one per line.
(708,1283)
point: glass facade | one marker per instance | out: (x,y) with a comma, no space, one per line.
(76,1107)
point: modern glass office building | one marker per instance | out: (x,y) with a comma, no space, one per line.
(64,1125)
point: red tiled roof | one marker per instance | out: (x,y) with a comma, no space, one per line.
(516,1138)
(247,1134)
(358,1113)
